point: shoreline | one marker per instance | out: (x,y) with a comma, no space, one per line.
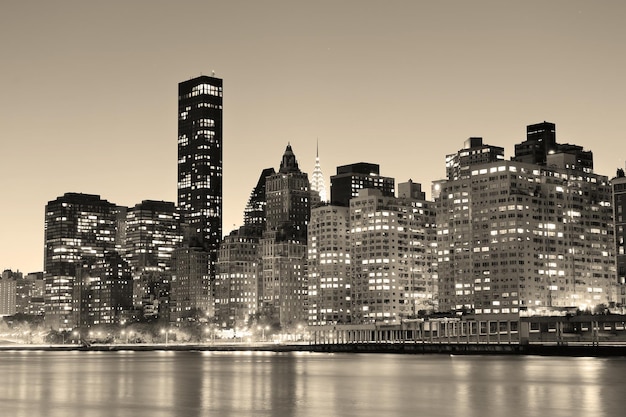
(580,350)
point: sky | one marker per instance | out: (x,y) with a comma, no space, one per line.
(88,91)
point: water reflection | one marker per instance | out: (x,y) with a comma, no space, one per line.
(270,384)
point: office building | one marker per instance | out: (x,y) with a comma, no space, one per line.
(79,230)
(8,292)
(29,294)
(317,179)
(103,291)
(354,177)
(200,162)
(191,295)
(153,232)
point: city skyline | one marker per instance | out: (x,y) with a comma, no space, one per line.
(92,110)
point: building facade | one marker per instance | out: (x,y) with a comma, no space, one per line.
(79,230)
(619,215)
(518,237)
(349,179)
(393,271)
(283,286)
(153,233)
(200,163)
(328,266)
(238,268)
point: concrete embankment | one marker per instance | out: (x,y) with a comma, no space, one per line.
(399,348)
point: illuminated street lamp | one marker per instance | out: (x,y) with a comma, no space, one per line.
(166,332)
(263,329)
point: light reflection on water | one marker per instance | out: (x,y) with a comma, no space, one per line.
(155,384)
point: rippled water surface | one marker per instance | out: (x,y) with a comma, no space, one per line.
(159,384)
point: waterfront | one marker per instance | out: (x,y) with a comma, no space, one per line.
(168,383)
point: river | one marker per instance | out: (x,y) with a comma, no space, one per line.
(181,384)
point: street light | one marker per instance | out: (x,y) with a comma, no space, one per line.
(263,329)
(166,332)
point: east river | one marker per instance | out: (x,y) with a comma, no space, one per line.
(181,384)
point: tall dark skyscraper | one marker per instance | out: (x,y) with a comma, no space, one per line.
(199,196)
(200,160)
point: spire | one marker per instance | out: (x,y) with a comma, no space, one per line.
(317,180)
(289,162)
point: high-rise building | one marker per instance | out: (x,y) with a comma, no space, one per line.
(474,152)
(619,215)
(317,179)
(516,236)
(541,148)
(328,265)
(152,234)
(29,293)
(392,242)
(283,246)
(102,292)
(199,194)
(8,292)
(238,268)
(191,294)
(288,200)
(254,214)
(79,230)
(200,161)
(354,177)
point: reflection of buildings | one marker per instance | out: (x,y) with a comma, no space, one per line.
(619,213)
(514,236)
(80,229)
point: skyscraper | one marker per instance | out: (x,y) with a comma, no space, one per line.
(79,230)
(317,179)
(283,247)
(199,195)
(254,214)
(152,235)
(200,161)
